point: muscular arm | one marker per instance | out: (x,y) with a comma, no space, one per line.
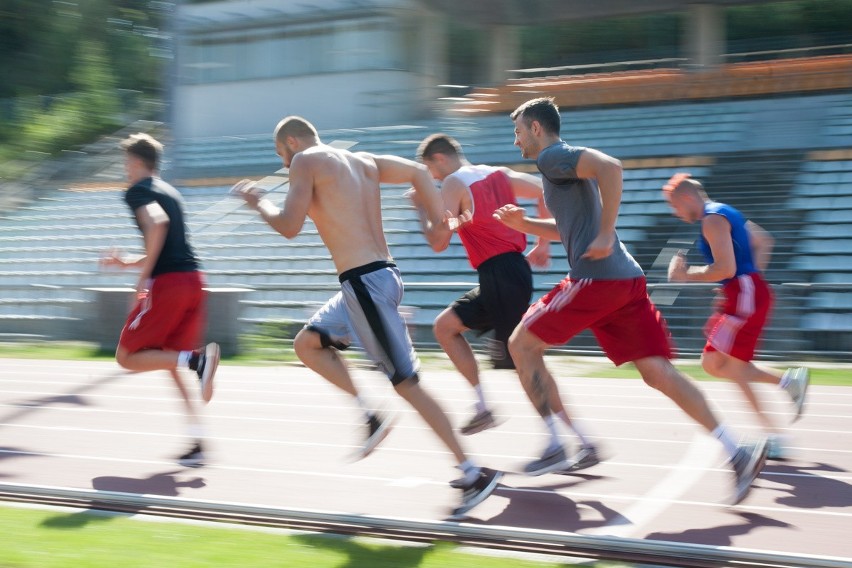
(761,245)
(529,187)
(289,220)
(607,171)
(717,231)
(426,197)
(154,223)
(515,217)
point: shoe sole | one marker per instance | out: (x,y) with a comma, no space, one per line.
(211,355)
(577,467)
(482,496)
(741,494)
(478,428)
(556,467)
(800,405)
(376,439)
(191,463)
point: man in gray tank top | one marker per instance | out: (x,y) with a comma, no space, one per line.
(604,291)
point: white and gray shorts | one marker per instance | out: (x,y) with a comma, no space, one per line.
(366,312)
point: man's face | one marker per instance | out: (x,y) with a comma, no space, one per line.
(284,151)
(438,166)
(525,139)
(683,207)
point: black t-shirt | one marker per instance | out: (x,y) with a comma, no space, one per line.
(177,254)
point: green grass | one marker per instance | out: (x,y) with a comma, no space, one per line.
(838,376)
(54,350)
(35,538)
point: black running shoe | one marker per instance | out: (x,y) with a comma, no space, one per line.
(208,362)
(476,492)
(378,429)
(479,422)
(194,457)
(747,463)
(587,456)
(553,459)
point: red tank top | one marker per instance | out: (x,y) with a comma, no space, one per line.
(487,237)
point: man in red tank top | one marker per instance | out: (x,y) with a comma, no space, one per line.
(495,251)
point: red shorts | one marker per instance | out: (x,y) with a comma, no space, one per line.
(171,317)
(736,327)
(619,312)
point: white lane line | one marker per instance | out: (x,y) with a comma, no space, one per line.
(399,411)
(702,455)
(622,497)
(643,408)
(390,448)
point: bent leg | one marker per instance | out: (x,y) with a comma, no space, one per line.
(743,373)
(659,373)
(146,359)
(448,329)
(325,361)
(429,409)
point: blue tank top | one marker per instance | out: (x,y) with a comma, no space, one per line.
(739,236)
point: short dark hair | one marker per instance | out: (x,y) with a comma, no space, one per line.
(439,143)
(295,126)
(145,147)
(543,110)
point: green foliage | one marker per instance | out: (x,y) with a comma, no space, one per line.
(69,64)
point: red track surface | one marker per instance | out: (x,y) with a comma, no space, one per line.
(282,437)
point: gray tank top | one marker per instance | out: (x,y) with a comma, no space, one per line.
(575,205)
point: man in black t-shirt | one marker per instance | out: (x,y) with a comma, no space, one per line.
(166,325)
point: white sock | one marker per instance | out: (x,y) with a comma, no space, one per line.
(362,405)
(786,379)
(550,420)
(721,433)
(480,403)
(584,441)
(196,431)
(470,470)
(183,359)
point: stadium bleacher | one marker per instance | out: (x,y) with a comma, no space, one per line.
(803,198)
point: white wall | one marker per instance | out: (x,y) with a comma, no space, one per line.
(329,101)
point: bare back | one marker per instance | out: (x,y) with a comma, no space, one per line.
(346,205)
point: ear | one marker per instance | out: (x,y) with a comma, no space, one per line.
(535,127)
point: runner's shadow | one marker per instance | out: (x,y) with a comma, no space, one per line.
(723,535)
(359,554)
(807,489)
(165,484)
(542,508)
(8,452)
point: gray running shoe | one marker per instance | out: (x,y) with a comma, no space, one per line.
(776,447)
(208,362)
(378,429)
(552,460)
(194,457)
(586,457)
(747,463)
(800,378)
(481,421)
(478,491)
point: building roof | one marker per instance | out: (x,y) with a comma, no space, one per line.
(531,12)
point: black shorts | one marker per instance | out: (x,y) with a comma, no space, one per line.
(502,297)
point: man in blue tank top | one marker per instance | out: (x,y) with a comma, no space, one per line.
(736,251)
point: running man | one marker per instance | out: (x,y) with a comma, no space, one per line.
(737,252)
(166,323)
(604,291)
(339,191)
(495,251)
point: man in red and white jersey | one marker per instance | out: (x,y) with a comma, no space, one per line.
(496,252)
